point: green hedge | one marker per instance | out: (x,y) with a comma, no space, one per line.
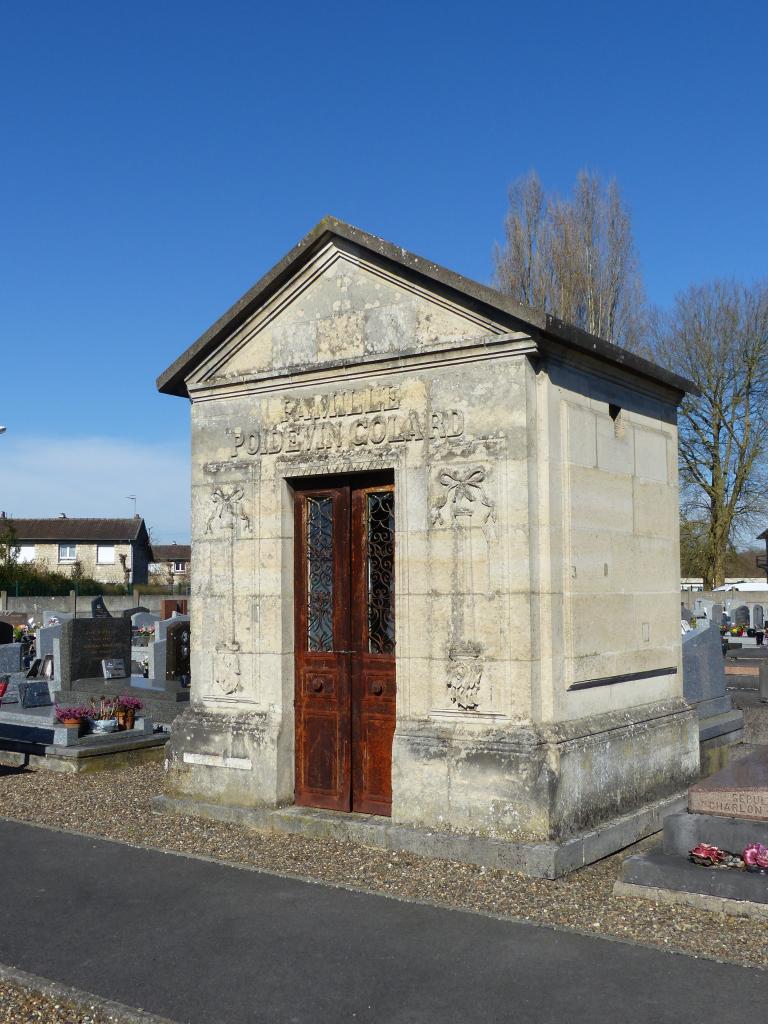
(26,581)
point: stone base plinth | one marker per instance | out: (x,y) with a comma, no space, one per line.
(537,859)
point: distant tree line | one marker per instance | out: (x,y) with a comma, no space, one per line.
(576,259)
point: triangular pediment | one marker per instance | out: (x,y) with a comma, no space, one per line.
(344,307)
(342,297)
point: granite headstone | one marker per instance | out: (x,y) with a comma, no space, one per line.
(10,657)
(85,643)
(99,610)
(177,650)
(130,612)
(6,633)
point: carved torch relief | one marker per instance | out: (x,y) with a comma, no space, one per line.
(464,505)
(227,515)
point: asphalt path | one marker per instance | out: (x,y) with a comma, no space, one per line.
(200,942)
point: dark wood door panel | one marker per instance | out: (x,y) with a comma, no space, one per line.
(345,637)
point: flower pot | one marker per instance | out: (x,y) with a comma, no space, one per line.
(126,718)
(103,725)
(70,721)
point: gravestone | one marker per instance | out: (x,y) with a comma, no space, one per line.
(10,657)
(59,616)
(6,633)
(704,686)
(85,643)
(34,695)
(130,612)
(144,619)
(99,610)
(741,615)
(162,626)
(759,616)
(44,639)
(177,650)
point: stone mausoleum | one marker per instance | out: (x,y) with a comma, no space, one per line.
(435,572)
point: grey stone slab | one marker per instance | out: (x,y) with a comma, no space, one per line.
(539,860)
(61,616)
(664,871)
(259,948)
(703,670)
(128,613)
(144,619)
(85,643)
(44,639)
(684,831)
(10,658)
(6,634)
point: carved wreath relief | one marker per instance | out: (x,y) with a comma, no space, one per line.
(464,676)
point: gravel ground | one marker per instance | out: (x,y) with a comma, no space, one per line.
(116,804)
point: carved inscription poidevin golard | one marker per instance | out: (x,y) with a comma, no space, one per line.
(345,420)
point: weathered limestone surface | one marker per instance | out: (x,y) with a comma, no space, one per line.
(539,688)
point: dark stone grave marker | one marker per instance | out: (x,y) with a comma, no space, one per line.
(85,643)
(34,695)
(177,652)
(134,611)
(6,633)
(99,610)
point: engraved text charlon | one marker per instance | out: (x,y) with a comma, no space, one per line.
(345,420)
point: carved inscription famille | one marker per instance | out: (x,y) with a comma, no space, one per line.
(345,420)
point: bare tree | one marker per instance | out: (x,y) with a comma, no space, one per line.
(574,258)
(717,336)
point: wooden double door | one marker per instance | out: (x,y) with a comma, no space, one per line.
(345,642)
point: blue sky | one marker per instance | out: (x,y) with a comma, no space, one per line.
(160,157)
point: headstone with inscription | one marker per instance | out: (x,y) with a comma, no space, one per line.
(85,643)
(113,668)
(6,633)
(740,790)
(99,610)
(177,651)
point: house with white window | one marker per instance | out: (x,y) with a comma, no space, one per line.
(170,561)
(107,550)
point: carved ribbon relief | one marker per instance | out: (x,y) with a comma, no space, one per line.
(226,513)
(463,497)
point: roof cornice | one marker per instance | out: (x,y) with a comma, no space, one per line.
(478,296)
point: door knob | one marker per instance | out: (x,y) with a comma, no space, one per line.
(317,685)
(377,689)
